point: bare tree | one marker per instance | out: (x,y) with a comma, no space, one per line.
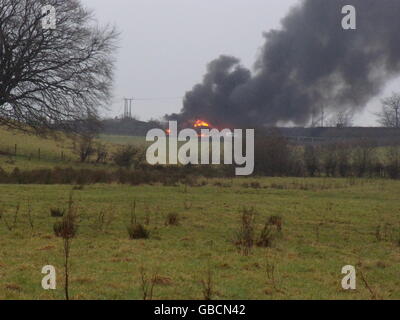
(84,142)
(101,152)
(52,77)
(364,155)
(342,119)
(390,114)
(312,159)
(83,146)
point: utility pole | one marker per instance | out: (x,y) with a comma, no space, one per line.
(128,108)
(322,116)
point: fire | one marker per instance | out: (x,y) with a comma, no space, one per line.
(201,123)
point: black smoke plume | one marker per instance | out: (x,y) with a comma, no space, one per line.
(309,63)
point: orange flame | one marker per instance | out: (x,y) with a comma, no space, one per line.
(201,123)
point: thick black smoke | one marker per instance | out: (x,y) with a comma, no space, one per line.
(309,63)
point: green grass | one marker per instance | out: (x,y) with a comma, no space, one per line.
(327,224)
(38,152)
(122,140)
(106,264)
(29,145)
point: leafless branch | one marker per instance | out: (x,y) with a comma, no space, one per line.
(52,78)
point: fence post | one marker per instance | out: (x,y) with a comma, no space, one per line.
(15,150)
(39,153)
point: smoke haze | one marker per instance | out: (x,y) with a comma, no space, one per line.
(309,64)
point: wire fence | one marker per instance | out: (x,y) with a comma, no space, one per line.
(13,151)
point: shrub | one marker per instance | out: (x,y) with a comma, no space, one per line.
(138,231)
(311,159)
(343,158)
(271,231)
(83,146)
(56,212)
(147,284)
(10,226)
(172,219)
(364,156)
(255,185)
(393,159)
(104,219)
(191,181)
(276,221)
(330,159)
(208,285)
(268,235)
(129,156)
(67,228)
(245,235)
(272,154)
(101,152)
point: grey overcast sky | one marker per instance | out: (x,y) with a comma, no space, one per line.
(166,44)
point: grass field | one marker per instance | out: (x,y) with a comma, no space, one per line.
(327,224)
(36,152)
(123,140)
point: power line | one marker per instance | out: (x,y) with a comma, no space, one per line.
(158,99)
(128,108)
(129,101)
